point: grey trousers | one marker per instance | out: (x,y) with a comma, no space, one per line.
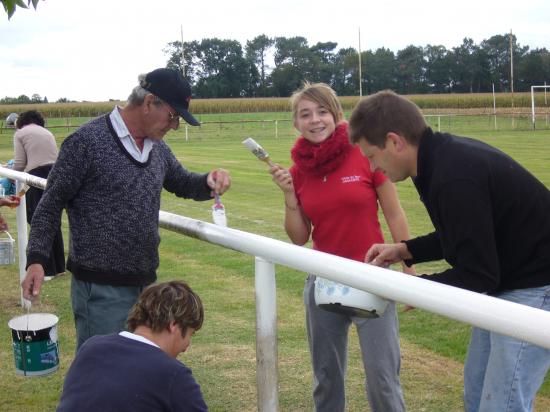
(100,309)
(328,345)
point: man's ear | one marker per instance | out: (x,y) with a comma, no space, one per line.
(396,141)
(147,102)
(172,327)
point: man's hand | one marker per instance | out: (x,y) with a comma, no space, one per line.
(383,255)
(33,281)
(219,181)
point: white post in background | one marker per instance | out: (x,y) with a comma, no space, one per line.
(186,134)
(533,106)
(276,129)
(266,336)
(494,106)
(22,239)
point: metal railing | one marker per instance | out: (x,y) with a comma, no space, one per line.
(501,316)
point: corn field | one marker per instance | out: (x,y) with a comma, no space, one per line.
(478,103)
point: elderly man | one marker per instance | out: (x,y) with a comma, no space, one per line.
(491,225)
(138,370)
(109,175)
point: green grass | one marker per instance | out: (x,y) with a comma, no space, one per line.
(222,354)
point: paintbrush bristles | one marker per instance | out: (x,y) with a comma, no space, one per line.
(257,150)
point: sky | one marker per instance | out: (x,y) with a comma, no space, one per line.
(94,50)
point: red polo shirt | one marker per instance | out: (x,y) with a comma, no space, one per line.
(342,206)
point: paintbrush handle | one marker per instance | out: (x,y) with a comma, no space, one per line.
(268,161)
(23,190)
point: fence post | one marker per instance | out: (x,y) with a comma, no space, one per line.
(266,336)
(276,129)
(22,239)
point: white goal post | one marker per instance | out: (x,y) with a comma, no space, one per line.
(533,100)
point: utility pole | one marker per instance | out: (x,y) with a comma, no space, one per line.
(360,75)
(512,73)
(511,62)
(182,56)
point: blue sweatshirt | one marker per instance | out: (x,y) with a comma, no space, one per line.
(115,373)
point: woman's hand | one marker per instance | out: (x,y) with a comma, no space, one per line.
(282,178)
(11,201)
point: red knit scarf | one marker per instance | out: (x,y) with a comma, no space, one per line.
(321,159)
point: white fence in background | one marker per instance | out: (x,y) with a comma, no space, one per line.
(508,318)
(284,128)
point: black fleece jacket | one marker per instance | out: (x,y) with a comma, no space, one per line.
(491,216)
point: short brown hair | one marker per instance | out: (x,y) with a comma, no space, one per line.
(319,93)
(163,303)
(384,112)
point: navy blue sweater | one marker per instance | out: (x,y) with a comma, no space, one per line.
(491,216)
(112,203)
(118,374)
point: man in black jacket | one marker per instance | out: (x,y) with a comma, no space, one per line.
(492,225)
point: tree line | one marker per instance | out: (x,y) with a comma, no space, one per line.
(24,99)
(277,66)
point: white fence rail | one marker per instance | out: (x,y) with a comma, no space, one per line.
(508,318)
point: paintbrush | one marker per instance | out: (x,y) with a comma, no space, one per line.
(218,212)
(23,190)
(257,150)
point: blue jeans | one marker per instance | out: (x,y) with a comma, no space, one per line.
(100,309)
(501,373)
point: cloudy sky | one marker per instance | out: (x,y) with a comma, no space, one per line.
(94,49)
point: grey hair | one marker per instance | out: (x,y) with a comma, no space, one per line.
(137,96)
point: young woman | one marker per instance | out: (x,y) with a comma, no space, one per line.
(332,195)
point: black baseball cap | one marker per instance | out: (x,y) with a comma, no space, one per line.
(170,86)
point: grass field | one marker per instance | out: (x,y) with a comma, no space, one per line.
(222,354)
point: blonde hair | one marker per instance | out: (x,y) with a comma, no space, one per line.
(320,93)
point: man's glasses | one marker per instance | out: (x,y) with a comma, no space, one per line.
(173,116)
